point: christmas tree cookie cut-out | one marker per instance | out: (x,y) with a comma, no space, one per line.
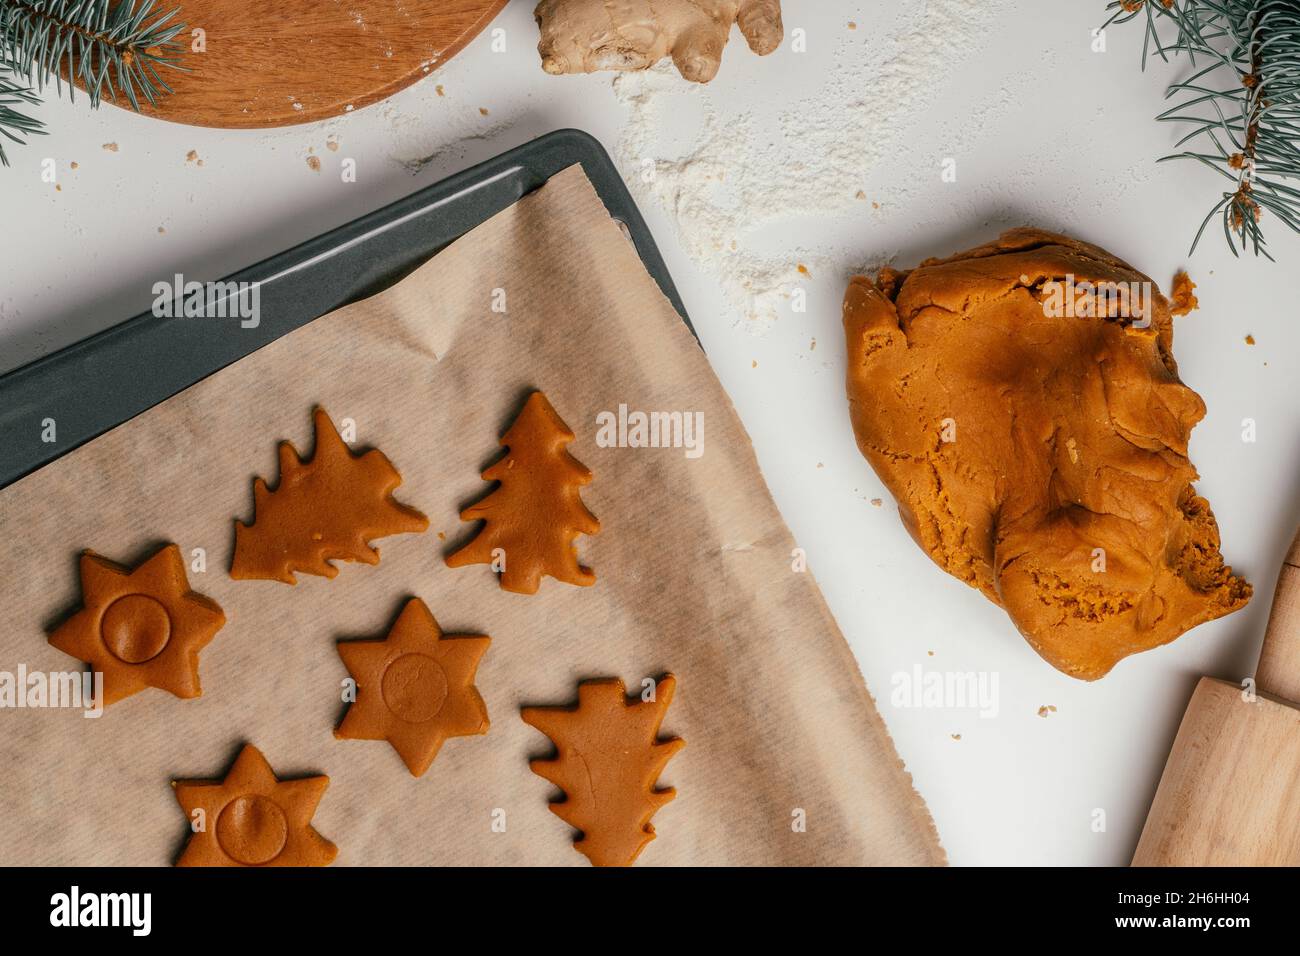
(532,518)
(325,509)
(415,688)
(608,760)
(140,627)
(252,818)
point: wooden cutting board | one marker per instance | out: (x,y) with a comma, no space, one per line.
(1230,793)
(280,62)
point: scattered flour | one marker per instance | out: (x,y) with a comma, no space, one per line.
(809,164)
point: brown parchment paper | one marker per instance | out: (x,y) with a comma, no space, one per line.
(693,568)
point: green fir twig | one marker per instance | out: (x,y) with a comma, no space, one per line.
(14,125)
(112,48)
(1242,102)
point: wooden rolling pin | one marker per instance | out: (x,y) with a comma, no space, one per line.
(1230,793)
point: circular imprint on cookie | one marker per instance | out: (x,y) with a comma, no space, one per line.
(135,628)
(252,830)
(414,687)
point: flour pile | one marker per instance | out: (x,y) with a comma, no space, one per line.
(807,157)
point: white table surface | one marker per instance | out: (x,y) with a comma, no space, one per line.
(1045,132)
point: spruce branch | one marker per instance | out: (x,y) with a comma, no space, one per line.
(1241,102)
(112,48)
(14,125)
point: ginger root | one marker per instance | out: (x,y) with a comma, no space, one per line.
(583,36)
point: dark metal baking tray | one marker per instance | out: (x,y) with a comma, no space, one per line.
(109,378)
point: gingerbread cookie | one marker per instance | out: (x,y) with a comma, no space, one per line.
(1021,403)
(415,688)
(140,628)
(252,818)
(609,757)
(534,515)
(327,509)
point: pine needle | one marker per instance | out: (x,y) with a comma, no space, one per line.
(112,49)
(14,125)
(1241,103)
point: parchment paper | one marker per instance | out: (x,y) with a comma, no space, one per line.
(693,566)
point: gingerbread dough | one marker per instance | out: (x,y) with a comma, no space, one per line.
(327,509)
(1037,452)
(608,759)
(415,688)
(140,628)
(252,818)
(1183,300)
(533,517)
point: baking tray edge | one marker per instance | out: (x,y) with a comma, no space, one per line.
(96,384)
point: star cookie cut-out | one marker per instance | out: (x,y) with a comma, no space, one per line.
(252,818)
(327,508)
(415,688)
(534,515)
(608,760)
(140,627)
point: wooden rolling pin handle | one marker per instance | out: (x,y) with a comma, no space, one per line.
(1279,662)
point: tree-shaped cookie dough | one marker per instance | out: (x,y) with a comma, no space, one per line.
(415,688)
(140,628)
(533,517)
(252,818)
(325,509)
(608,759)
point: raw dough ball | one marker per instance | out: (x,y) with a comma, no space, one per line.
(1038,454)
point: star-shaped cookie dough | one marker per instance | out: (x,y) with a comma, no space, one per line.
(140,628)
(252,818)
(415,688)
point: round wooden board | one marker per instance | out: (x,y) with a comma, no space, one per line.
(281,62)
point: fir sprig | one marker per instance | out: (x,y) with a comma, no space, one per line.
(1242,102)
(14,125)
(112,48)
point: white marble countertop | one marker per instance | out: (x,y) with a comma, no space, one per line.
(1045,131)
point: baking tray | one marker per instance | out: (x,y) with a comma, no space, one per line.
(109,378)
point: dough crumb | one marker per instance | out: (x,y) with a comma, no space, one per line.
(876,503)
(1046,709)
(1250,340)
(754,364)
(438,89)
(110,147)
(313,163)
(74,164)
(1182,301)
(192,156)
(332,144)
(482,111)
(955,736)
